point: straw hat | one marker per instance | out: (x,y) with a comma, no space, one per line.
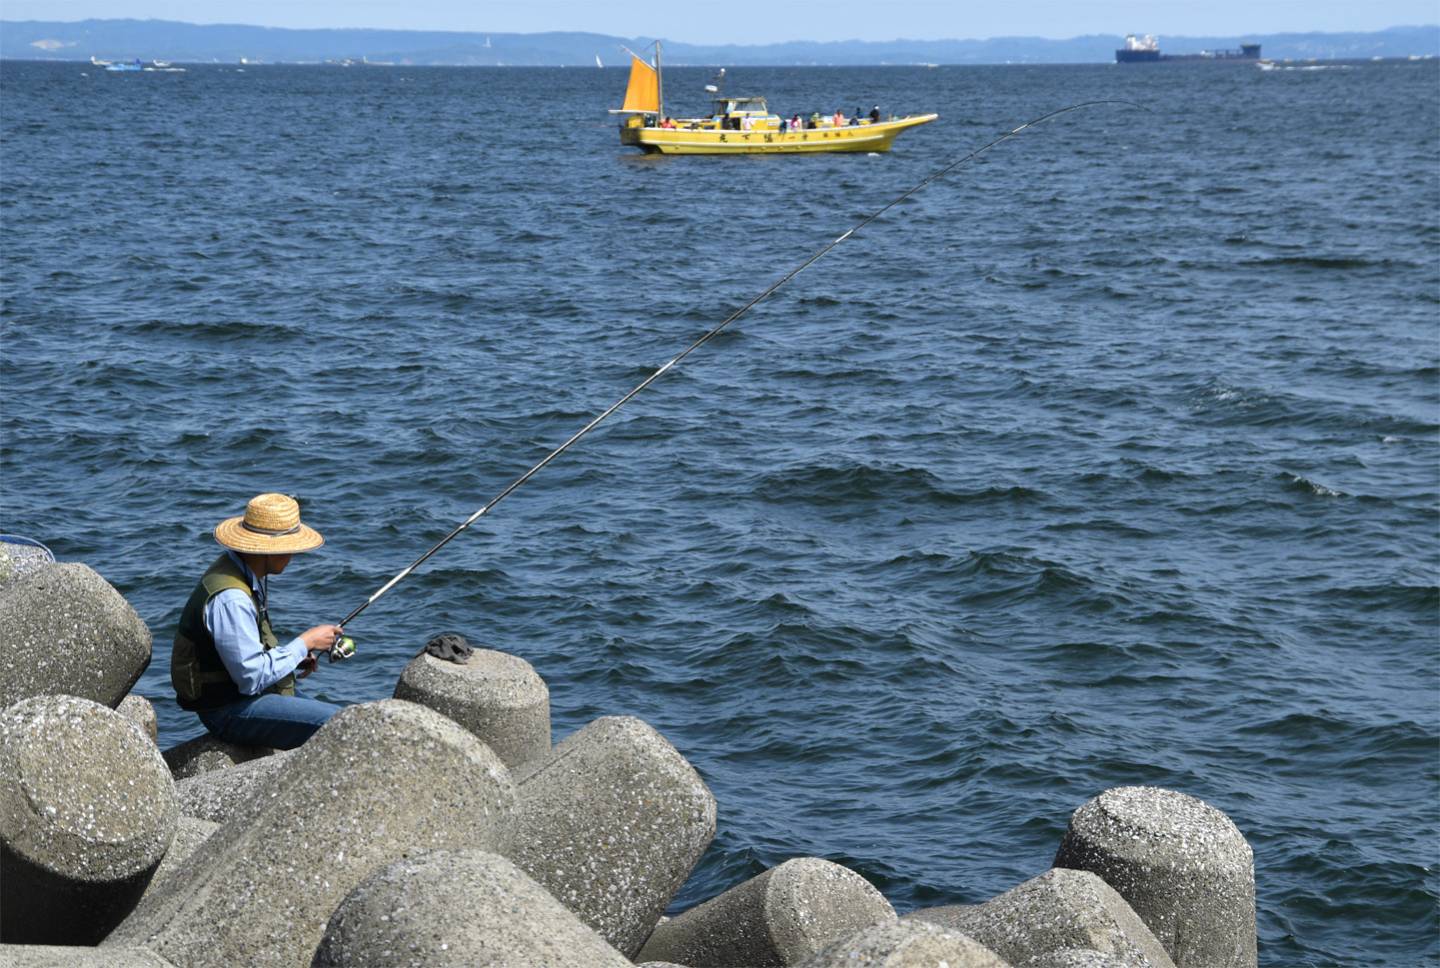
(270,526)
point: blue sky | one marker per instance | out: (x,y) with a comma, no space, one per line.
(759,21)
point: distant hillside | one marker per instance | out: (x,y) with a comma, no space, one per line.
(228,43)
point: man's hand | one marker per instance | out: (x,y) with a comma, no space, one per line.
(318,639)
(321,637)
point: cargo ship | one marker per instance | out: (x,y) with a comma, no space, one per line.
(1146,50)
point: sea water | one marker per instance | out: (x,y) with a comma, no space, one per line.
(1109,458)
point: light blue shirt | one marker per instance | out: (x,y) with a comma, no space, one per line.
(235,625)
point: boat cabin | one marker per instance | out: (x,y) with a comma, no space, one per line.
(743,113)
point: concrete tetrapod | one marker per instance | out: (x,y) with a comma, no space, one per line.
(1058,909)
(218,794)
(19,560)
(496,696)
(376,781)
(69,956)
(906,944)
(1183,865)
(64,630)
(611,823)
(87,810)
(780,917)
(205,753)
(457,909)
(141,712)
(1081,958)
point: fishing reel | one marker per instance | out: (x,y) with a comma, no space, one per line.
(344,648)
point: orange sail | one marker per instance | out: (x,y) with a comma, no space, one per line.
(643,92)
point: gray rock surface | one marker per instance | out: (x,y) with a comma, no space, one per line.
(217,795)
(65,631)
(611,822)
(457,909)
(780,917)
(141,712)
(204,753)
(377,781)
(496,696)
(87,810)
(1183,865)
(906,944)
(1059,909)
(1081,958)
(70,956)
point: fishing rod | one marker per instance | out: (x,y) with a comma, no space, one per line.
(345,647)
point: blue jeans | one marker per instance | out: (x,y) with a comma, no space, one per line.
(281,722)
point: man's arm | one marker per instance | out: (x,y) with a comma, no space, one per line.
(230,617)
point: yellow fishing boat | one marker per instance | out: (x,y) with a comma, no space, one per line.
(743,125)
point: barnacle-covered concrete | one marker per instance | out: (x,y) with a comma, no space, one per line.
(780,917)
(378,780)
(87,811)
(1182,864)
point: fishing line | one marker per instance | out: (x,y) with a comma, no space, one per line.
(510,488)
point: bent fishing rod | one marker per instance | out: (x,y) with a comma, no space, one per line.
(345,647)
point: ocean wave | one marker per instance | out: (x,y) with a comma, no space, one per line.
(215,330)
(1352,747)
(1329,263)
(1384,596)
(1304,485)
(865,483)
(1258,406)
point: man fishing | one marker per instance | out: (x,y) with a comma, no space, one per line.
(227,665)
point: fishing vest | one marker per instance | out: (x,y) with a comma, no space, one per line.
(196,672)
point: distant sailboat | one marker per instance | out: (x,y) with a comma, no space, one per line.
(597,61)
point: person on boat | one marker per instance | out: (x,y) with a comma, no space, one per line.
(227,665)
(669,122)
(795,123)
(875,114)
(815,119)
(839,119)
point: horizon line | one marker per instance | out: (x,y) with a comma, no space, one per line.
(856,40)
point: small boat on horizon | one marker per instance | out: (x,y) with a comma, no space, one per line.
(131,66)
(743,125)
